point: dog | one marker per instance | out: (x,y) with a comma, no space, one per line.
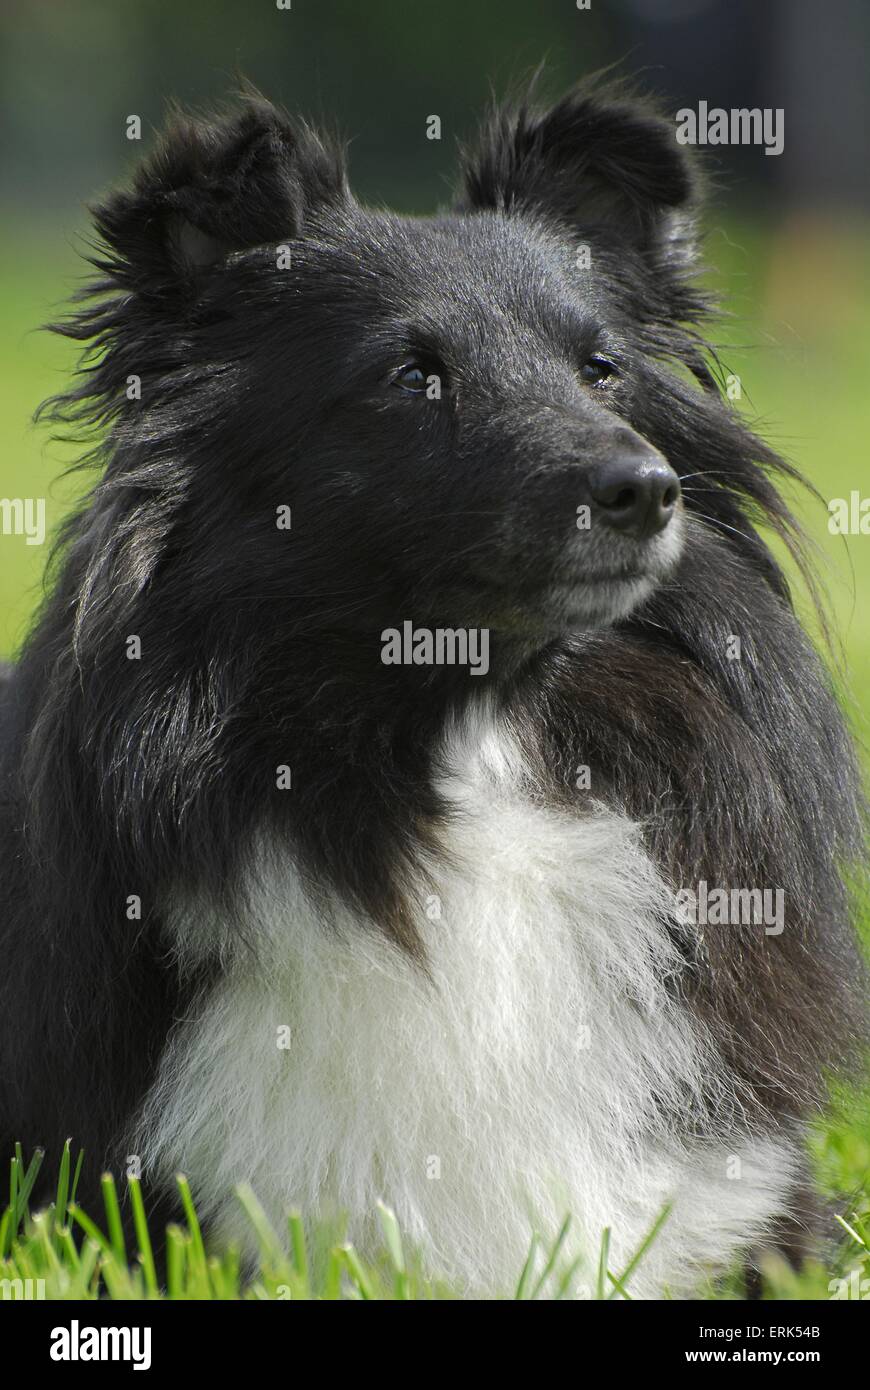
(413,675)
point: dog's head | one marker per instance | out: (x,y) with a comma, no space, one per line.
(356,418)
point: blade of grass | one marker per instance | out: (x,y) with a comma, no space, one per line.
(620,1287)
(850,1230)
(644,1246)
(270,1246)
(143,1237)
(25,1185)
(113,1217)
(565,1281)
(177,1245)
(42,1225)
(298,1247)
(89,1227)
(603,1254)
(76,1175)
(62,1196)
(393,1241)
(357,1272)
(526,1275)
(197,1262)
(119,1279)
(553,1257)
(332,1281)
(12,1228)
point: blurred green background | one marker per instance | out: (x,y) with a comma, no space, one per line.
(787,236)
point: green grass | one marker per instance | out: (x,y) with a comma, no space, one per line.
(66,1253)
(800,342)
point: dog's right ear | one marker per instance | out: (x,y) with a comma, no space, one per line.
(214,187)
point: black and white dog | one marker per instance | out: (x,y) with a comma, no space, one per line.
(417,784)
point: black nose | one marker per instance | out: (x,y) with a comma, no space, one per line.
(635,493)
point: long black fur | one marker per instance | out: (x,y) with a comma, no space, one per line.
(264,387)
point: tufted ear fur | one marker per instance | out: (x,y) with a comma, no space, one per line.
(213,187)
(600,158)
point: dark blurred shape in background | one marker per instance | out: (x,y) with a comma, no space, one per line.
(72,72)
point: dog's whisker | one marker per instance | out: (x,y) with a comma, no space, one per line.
(715,521)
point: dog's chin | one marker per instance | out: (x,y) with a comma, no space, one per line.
(600,602)
(574,605)
(591,597)
(578,594)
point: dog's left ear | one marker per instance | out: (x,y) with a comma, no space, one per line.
(593,161)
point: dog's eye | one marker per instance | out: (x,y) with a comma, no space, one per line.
(414,377)
(411,378)
(597,371)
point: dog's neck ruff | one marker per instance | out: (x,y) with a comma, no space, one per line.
(541,1065)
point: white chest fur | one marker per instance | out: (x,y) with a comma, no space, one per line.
(537,1070)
